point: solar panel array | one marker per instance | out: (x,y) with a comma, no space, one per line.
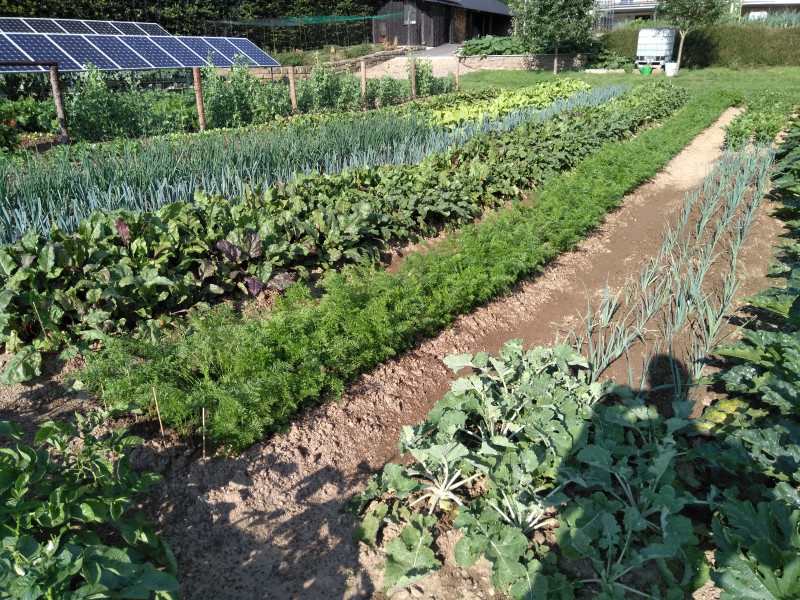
(116,45)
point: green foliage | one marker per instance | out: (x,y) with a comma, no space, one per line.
(492,44)
(557,23)
(723,45)
(97,113)
(65,522)
(127,269)
(528,425)
(252,375)
(765,116)
(507,101)
(686,15)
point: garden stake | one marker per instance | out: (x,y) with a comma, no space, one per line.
(198,94)
(292,91)
(158,412)
(364,83)
(203,415)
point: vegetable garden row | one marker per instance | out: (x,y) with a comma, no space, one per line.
(143,271)
(532,442)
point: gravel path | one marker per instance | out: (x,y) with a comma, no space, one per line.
(397,68)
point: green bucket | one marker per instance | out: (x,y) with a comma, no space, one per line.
(646,69)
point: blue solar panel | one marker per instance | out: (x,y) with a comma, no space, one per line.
(179,51)
(44,25)
(14,26)
(224,47)
(73,26)
(152,29)
(145,47)
(103,27)
(123,55)
(82,51)
(8,51)
(38,47)
(203,49)
(129,28)
(256,54)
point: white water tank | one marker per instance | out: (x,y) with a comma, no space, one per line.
(655,46)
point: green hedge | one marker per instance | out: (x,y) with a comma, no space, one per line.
(723,46)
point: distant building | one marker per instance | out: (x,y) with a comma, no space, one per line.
(437,22)
(628,10)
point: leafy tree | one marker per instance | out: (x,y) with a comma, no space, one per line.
(555,22)
(687,15)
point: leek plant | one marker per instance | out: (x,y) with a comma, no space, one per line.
(62,190)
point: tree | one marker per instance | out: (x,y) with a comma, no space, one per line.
(687,15)
(555,22)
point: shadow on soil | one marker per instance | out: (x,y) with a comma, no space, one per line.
(244,528)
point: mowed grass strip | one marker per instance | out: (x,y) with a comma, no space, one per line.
(252,374)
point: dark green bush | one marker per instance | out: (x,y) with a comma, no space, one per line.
(723,46)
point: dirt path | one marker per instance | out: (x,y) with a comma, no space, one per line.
(271,523)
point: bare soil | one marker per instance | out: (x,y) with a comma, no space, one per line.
(271,523)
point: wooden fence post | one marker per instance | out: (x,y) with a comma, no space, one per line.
(59,100)
(364,83)
(413,78)
(198,96)
(292,92)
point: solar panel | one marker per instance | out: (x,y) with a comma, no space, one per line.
(82,51)
(102,27)
(178,50)
(13,26)
(256,54)
(148,50)
(8,51)
(129,28)
(123,55)
(73,26)
(152,29)
(44,25)
(38,47)
(224,47)
(75,43)
(203,49)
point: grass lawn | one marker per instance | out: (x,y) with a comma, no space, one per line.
(695,80)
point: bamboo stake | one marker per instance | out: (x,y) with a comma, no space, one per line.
(364,83)
(198,95)
(158,412)
(458,65)
(292,92)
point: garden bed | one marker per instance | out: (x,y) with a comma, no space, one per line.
(273,518)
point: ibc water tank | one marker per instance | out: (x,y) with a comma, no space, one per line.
(655,46)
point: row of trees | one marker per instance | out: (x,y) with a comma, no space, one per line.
(183,17)
(559,22)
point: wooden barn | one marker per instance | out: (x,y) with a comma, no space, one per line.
(437,22)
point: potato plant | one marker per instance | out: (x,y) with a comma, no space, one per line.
(65,521)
